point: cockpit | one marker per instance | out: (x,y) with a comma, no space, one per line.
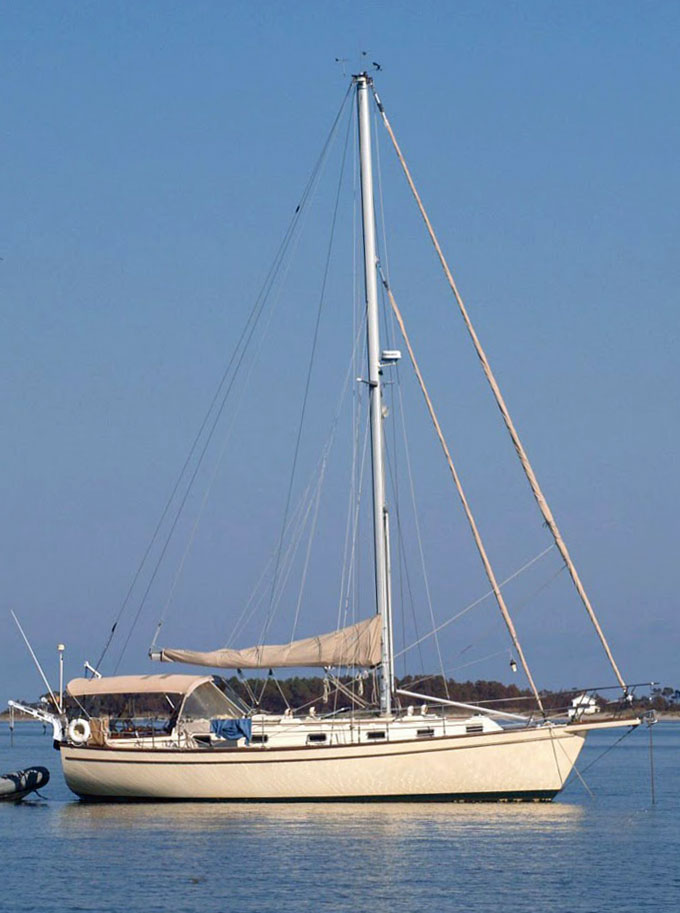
(141,707)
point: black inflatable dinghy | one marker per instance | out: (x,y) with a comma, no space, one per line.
(15,786)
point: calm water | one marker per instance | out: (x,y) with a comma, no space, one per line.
(614,852)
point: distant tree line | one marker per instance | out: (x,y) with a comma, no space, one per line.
(664,699)
(275,695)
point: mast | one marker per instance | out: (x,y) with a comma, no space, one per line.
(380,518)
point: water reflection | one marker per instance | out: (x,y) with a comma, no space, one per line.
(405,820)
(321,858)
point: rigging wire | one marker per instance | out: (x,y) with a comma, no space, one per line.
(361,401)
(358,327)
(473,605)
(517,608)
(183,470)
(350,571)
(521,605)
(488,568)
(222,452)
(325,457)
(297,522)
(211,481)
(500,402)
(242,343)
(472,662)
(188,489)
(296,525)
(421,551)
(390,334)
(407,575)
(322,298)
(610,748)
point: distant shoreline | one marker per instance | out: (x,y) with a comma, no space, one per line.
(664,716)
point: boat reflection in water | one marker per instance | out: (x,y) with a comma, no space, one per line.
(403,820)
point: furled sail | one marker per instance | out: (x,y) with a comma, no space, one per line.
(356,645)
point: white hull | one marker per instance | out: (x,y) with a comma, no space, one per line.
(527,764)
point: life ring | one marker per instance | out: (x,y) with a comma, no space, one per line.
(79,731)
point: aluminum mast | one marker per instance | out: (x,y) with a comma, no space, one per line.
(380,519)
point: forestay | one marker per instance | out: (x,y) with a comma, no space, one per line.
(356,645)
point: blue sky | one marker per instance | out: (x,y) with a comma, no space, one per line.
(153,155)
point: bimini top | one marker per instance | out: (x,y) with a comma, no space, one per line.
(136,684)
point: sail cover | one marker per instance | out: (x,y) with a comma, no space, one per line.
(357,645)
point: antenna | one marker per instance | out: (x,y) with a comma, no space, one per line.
(342,61)
(35,659)
(61,648)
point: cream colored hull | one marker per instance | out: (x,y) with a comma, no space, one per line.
(512,764)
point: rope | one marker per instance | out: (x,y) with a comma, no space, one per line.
(389,389)
(264,686)
(463,499)
(390,331)
(189,487)
(211,482)
(242,344)
(296,524)
(472,662)
(351,573)
(473,605)
(308,380)
(403,564)
(518,606)
(578,773)
(280,689)
(521,453)
(322,472)
(421,550)
(246,685)
(611,747)
(308,505)
(340,688)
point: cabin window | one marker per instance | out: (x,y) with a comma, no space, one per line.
(128,706)
(207,702)
(259,740)
(315,737)
(425,733)
(223,685)
(475,727)
(376,734)
(133,715)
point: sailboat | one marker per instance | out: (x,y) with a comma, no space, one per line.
(171,736)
